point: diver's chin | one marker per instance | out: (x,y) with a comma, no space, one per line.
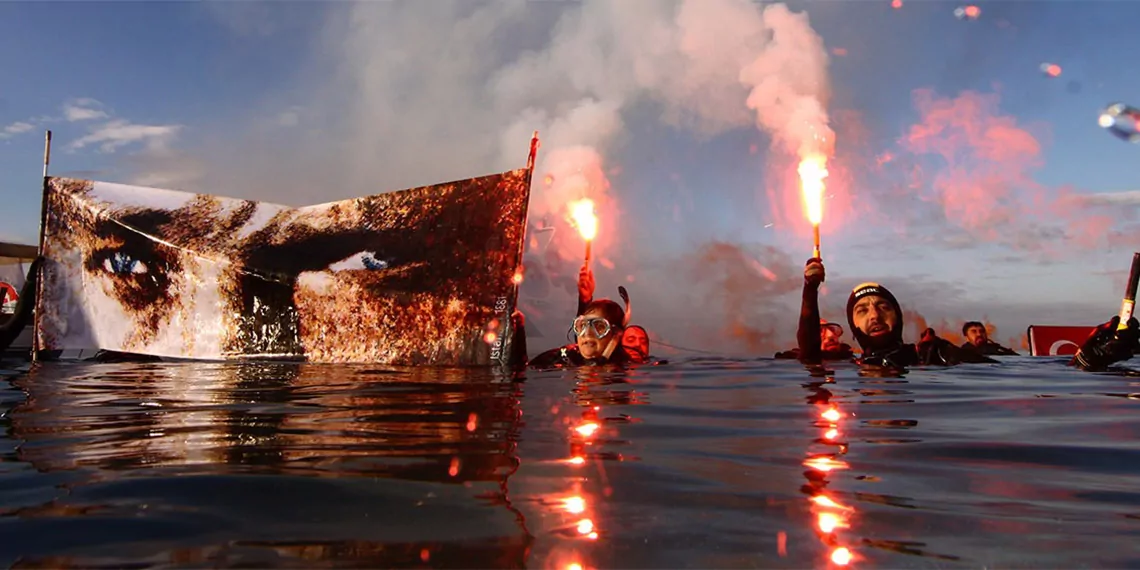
(589,349)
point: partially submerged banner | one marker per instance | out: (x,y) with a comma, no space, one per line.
(418,276)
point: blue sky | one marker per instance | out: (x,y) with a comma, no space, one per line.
(310,102)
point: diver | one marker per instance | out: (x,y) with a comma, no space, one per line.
(979,340)
(598,331)
(829,343)
(635,339)
(12,328)
(635,343)
(875,317)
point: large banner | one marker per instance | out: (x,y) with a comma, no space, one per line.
(419,276)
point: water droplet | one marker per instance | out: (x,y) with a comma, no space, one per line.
(1121,120)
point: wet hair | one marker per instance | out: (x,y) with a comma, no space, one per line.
(874,289)
(971,324)
(609,310)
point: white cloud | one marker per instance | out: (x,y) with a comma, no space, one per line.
(1123,198)
(83,109)
(119,132)
(16,128)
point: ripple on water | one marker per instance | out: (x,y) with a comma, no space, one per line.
(706,463)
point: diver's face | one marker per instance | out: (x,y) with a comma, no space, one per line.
(976,335)
(636,343)
(875,316)
(829,335)
(595,334)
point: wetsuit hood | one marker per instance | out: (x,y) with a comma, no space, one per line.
(867,343)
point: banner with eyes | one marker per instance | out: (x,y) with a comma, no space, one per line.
(418,276)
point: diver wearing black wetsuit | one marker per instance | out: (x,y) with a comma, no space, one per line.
(874,307)
(978,340)
(875,317)
(599,330)
(813,278)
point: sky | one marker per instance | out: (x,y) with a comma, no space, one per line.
(961,176)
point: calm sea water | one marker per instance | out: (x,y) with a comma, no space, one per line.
(705,463)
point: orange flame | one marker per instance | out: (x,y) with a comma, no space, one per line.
(582,214)
(812,170)
(841,556)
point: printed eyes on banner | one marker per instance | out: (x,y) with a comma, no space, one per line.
(121,263)
(361,261)
(136,273)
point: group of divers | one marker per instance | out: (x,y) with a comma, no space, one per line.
(601,334)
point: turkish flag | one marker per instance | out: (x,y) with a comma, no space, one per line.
(1047,340)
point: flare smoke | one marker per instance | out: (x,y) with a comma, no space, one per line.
(409,93)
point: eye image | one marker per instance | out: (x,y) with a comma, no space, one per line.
(406,277)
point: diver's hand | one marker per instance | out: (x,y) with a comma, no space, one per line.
(585,284)
(1105,345)
(813,272)
(517,319)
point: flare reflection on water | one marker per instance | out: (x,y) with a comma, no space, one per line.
(704,463)
(830,517)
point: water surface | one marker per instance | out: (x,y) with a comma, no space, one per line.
(702,463)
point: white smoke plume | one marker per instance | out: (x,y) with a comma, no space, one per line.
(401,94)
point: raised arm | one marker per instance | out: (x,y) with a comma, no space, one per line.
(1108,344)
(585,288)
(807,335)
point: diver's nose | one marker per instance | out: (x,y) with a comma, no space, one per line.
(872,313)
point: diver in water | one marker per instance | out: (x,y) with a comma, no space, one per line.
(635,343)
(601,333)
(830,345)
(875,317)
(598,330)
(12,328)
(978,339)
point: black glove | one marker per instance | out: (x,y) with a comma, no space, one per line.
(813,272)
(1105,345)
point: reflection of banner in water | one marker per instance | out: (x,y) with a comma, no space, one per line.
(419,276)
(324,433)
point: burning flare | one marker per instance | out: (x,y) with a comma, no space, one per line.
(812,170)
(582,213)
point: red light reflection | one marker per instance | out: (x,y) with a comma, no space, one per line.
(831,517)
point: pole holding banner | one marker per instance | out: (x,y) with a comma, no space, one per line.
(47,152)
(43,229)
(533,153)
